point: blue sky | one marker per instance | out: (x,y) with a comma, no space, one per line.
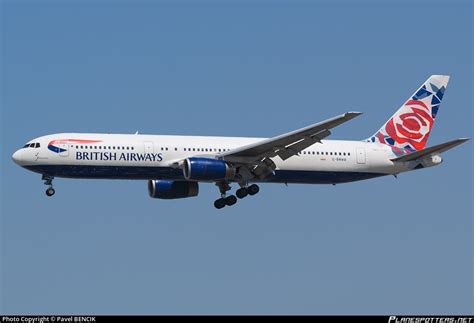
(239,69)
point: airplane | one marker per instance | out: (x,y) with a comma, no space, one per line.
(174,165)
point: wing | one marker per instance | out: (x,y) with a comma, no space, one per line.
(288,144)
(255,159)
(437,149)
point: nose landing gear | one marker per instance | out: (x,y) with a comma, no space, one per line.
(48,180)
(50,191)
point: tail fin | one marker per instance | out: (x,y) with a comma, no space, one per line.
(410,127)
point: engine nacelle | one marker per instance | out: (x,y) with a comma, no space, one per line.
(207,169)
(165,189)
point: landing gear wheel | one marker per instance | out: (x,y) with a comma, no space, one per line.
(242,192)
(253,189)
(230,200)
(220,203)
(50,191)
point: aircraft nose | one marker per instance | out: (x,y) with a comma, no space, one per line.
(17,157)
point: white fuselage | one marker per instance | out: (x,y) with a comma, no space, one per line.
(123,156)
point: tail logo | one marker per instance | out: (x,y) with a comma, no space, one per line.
(412,125)
(53,145)
(409,128)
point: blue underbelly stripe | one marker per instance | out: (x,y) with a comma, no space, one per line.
(145,173)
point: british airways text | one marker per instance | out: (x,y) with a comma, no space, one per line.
(97,155)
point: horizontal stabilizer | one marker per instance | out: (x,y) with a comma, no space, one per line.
(430,151)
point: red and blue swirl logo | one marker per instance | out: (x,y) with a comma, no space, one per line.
(59,145)
(411,125)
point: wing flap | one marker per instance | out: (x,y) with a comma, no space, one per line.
(304,143)
(437,149)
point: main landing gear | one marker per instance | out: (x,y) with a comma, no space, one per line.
(244,191)
(230,200)
(48,180)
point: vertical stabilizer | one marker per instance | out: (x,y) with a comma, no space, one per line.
(410,127)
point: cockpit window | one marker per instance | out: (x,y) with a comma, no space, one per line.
(32,145)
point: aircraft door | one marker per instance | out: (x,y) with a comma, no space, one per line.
(360,152)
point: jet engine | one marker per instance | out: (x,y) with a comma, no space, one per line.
(166,189)
(207,169)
